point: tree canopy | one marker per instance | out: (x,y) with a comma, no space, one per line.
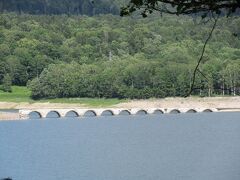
(109,56)
(77,7)
(182,6)
(186,7)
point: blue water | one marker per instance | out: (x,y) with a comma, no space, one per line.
(9,110)
(156,147)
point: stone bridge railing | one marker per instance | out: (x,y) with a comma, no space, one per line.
(43,113)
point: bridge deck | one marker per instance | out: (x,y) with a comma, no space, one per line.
(43,113)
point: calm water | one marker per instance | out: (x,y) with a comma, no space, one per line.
(158,147)
(9,110)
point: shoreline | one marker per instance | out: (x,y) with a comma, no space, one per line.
(6,116)
(225,104)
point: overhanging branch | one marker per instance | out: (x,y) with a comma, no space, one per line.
(201,57)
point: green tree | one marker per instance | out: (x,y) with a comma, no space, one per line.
(7,83)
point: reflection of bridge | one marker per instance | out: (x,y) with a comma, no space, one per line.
(43,113)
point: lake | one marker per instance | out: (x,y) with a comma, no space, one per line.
(200,146)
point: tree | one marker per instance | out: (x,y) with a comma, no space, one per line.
(59,6)
(204,8)
(7,82)
(35,86)
(152,57)
(182,7)
(3,70)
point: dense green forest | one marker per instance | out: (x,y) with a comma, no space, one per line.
(109,56)
(70,7)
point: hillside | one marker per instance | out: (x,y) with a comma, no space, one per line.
(70,7)
(113,57)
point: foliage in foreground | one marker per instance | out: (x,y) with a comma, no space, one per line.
(177,7)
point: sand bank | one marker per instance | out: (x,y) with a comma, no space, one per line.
(223,103)
(8,116)
(191,102)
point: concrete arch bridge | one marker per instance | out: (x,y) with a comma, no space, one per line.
(44,113)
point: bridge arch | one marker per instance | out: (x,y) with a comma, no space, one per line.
(158,111)
(191,111)
(89,113)
(175,111)
(124,113)
(71,113)
(141,112)
(207,111)
(53,114)
(34,115)
(107,113)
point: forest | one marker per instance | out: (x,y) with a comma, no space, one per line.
(69,7)
(110,56)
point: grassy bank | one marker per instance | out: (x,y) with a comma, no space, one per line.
(19,94)
(22,94)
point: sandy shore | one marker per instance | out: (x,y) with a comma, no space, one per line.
(212,102)
(8,116)
(191,102)
(227,103)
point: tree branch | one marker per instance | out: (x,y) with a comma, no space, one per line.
(201,57)
(182,7)
(203,75)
